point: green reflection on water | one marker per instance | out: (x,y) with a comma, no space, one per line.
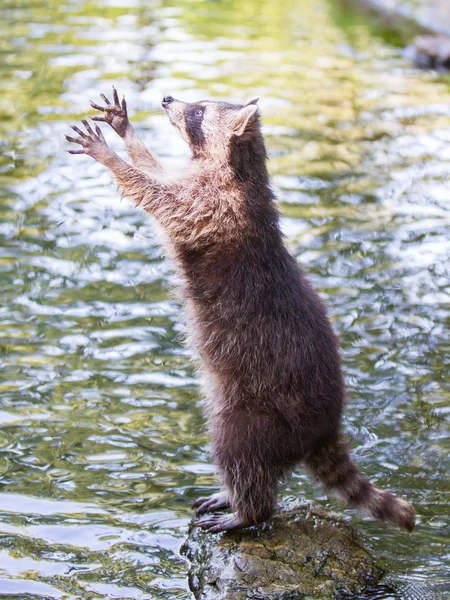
(103,443)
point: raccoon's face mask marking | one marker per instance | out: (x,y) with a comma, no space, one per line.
(209,126)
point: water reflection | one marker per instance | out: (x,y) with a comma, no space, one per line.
(103,444)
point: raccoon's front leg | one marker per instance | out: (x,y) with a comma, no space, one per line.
(116,115)
(155,197)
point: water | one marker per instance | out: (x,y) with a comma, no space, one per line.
(103,444)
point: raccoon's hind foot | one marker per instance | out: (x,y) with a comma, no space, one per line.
(217,523)
(212,503)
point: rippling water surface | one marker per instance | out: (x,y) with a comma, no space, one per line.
(103,444)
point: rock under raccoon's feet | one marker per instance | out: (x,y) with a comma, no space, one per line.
(212,503)
(217,523)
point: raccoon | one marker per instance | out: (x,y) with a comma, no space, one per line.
(269,358)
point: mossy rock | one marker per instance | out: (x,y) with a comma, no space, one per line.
(302,552)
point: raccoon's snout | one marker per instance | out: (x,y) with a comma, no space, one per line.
(166,101)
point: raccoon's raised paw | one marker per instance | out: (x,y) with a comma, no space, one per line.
(212,503)
(114,114)
(217,523)
(93,143)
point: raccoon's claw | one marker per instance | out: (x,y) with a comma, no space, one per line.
(211,504)
(217,523)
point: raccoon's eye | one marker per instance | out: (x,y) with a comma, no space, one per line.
(198,112)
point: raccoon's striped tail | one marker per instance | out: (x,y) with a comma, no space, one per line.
(334,468)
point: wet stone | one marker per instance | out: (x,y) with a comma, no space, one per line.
(302,552)
(432,52)
(430,16)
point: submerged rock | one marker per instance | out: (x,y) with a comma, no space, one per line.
(302,552)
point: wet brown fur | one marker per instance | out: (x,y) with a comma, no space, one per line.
(269,359)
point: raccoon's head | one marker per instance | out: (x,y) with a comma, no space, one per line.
(212,128)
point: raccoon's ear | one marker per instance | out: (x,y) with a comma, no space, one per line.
(252,101)
(242,119)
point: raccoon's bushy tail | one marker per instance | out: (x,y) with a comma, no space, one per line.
(335,469)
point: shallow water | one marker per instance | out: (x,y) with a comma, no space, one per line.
(103,444)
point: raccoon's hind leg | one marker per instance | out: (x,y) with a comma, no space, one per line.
(212,503)
(332,465)
(245,447)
